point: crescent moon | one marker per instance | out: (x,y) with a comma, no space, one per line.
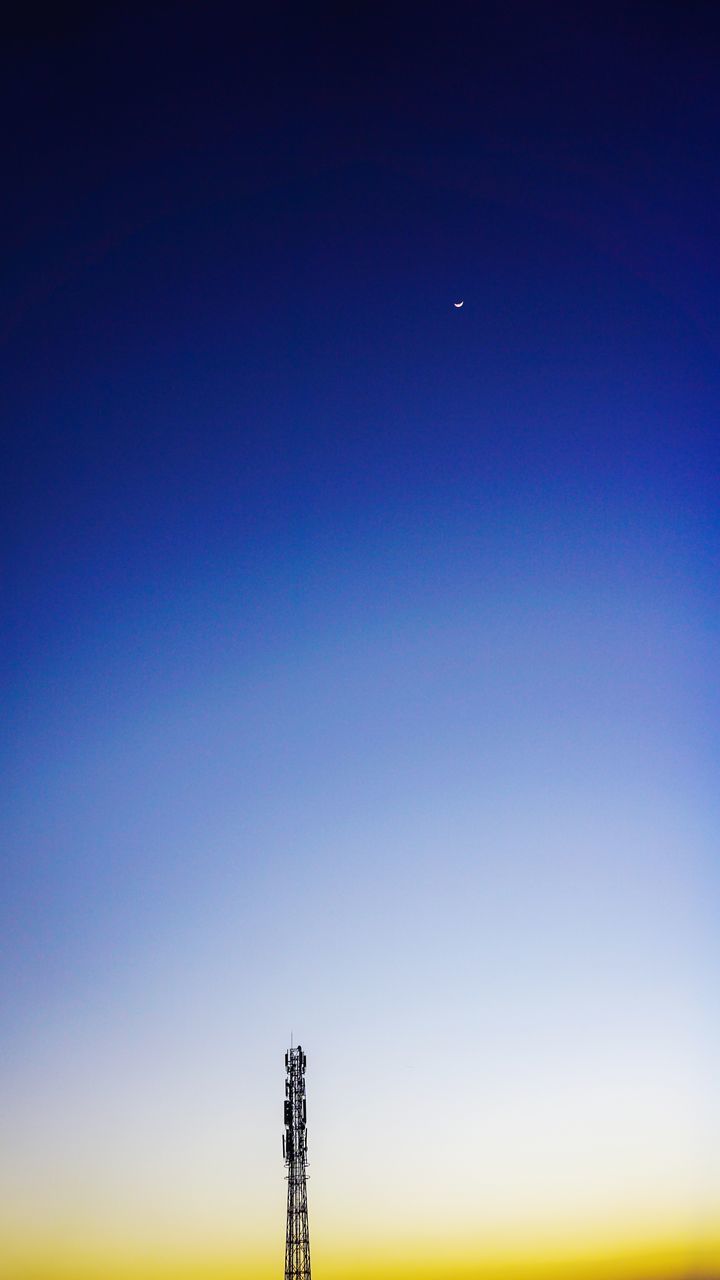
(458,304)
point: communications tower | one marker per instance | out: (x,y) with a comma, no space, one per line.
(297,1237)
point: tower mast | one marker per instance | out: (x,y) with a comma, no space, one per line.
(297,1238)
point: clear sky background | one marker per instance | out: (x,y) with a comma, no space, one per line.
(360,678)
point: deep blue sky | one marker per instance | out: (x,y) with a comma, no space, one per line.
(230,247)
(315,580)
(227,241)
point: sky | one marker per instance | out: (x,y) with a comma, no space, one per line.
(360,662)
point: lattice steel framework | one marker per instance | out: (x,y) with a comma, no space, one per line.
(297,1237)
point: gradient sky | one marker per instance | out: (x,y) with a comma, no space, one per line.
(360,678)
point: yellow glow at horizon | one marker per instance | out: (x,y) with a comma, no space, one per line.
(664,1256)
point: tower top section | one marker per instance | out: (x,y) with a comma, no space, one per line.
(296,1056)
(295,1109)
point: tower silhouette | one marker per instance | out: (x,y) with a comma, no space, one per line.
(297,1237)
